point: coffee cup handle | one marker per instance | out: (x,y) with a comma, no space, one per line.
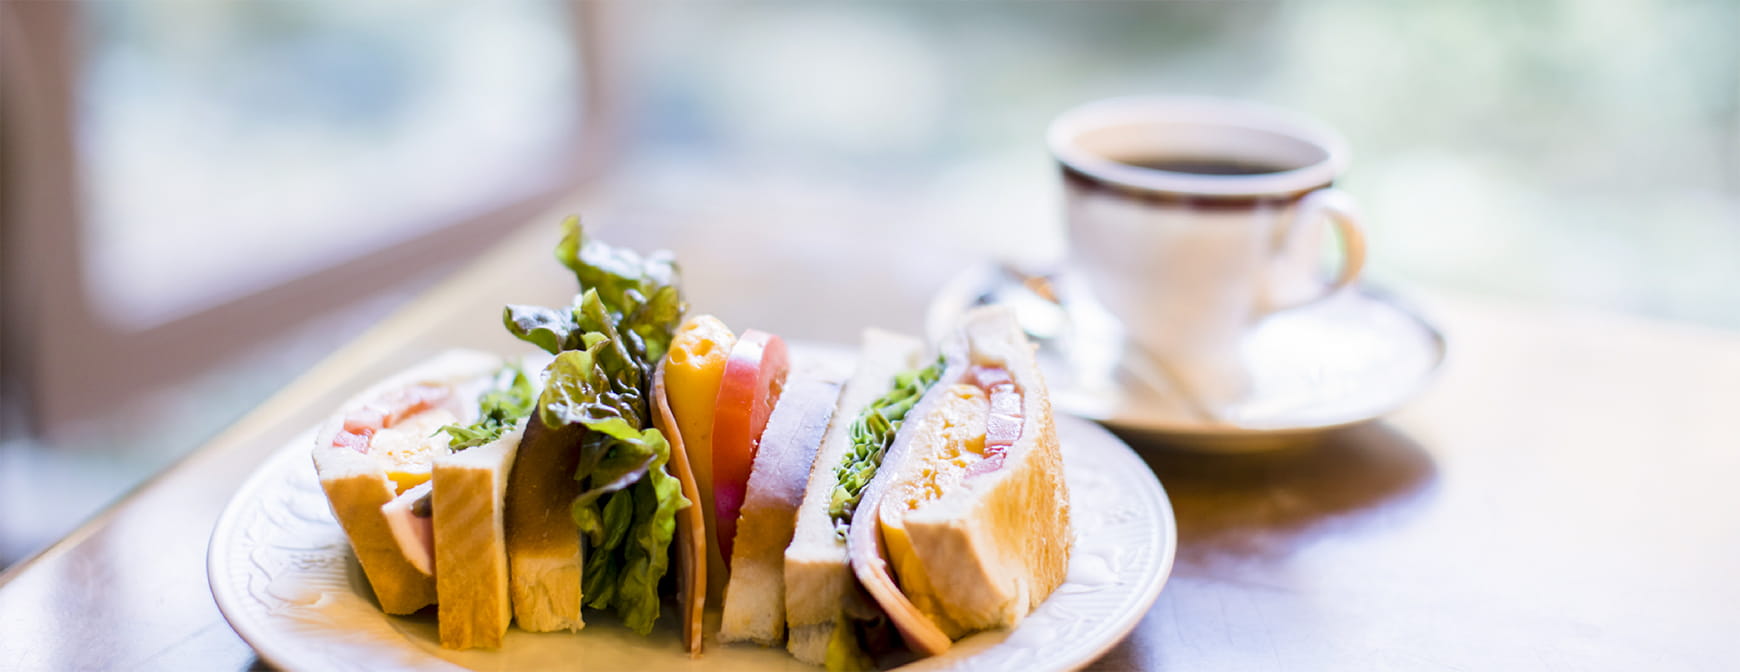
(1338,208)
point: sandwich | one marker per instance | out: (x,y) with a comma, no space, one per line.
(381,444)
(921,495)
(965,524)
(924,494)
(658,443)
(935,503)
(755,598)
(414,470)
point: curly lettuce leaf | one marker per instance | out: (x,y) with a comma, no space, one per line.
(648,323)
(510,398)
(630,535)
(617,356)
(579,390)
(617,466)
(614,272)
(657,499)
(549,329)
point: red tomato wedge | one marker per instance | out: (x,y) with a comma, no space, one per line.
(360,426)
(1003,426)
(754,377)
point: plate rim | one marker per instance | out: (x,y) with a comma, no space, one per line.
(1168,539)
(270,649)
(227,602)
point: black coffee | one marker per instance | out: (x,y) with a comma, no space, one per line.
(1207,166)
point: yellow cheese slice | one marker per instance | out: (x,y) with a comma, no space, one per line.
(693,369)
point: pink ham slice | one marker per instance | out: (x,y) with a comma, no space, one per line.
(414,533)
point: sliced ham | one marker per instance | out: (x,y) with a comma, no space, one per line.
(414,533)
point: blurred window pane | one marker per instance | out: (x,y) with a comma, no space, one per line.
(226,147)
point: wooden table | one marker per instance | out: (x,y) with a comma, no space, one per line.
(1561,498)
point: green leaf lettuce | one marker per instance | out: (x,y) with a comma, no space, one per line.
(607,344)
(872,433)
(500,407)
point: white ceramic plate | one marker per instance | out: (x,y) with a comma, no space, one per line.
(285,578)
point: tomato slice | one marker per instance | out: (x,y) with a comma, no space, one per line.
(413,400)
(1003,427)
(392,408)
(754,377)
(356,439)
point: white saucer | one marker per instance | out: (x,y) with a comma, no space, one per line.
(1341,361)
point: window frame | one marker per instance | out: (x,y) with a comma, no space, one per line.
(51,343)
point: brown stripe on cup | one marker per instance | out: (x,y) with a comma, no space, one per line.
(1081,180)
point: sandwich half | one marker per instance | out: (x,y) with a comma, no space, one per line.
(966,525)
(383,443)
(822,599)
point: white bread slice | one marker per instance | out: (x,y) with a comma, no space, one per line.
(992,545)
(470,542)
(691,533)
(820,591)
(755,597)
(357,484)
(543,543)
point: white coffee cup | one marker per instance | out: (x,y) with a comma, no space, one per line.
(1191,219)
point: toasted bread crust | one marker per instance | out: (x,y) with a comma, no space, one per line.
(866,545)
(999,546)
